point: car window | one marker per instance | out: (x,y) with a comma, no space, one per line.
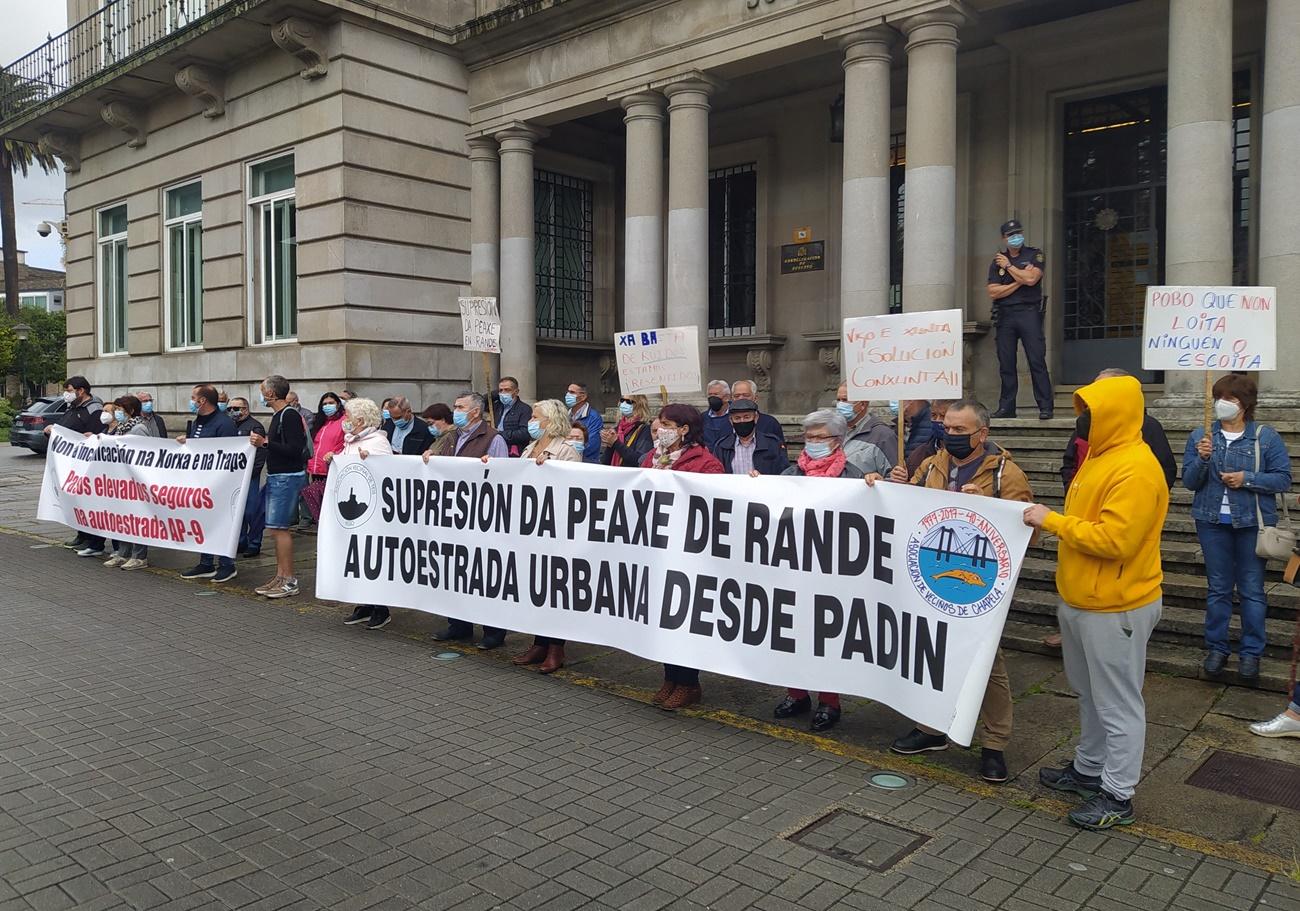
(46,405)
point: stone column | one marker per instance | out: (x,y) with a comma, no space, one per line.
(930,229)
(1279,196)
(643,234)
(1198,214)
(688,206)
(518,298)
(484,232)
(866,222)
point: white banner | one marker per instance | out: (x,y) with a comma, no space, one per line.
(148,490)
(1199,327)
(480,324)
(903,356)
(894,593)
(651,360)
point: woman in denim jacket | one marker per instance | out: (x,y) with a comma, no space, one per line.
(1229,486)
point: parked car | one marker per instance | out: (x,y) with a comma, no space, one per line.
(28,429)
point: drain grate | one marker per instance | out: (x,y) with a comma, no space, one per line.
(864,841)
(1264,780)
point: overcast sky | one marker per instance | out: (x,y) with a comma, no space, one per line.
(26,25)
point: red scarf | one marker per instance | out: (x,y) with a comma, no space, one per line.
(625,426)
(832,466)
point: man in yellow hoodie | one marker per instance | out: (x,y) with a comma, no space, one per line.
(1109,577)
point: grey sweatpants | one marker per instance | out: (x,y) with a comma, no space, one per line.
(1105,661)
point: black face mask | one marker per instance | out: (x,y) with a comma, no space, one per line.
(744,428)
(1083,424)
(715,403)
(959,445)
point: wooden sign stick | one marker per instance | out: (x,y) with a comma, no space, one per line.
(663,395)
(901,460)
(1209,402)
(491,395)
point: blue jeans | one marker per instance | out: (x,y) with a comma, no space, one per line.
(1230,562)
(250,534)
(206,561)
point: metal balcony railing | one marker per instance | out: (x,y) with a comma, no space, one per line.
(107,38)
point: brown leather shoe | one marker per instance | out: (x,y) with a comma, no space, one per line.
(535,655)
(664,692)
(682,697)
(554,659)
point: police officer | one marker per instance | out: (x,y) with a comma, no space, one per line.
(1015,287)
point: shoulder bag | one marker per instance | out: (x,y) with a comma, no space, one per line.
(1275,542)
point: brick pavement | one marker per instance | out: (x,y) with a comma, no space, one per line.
(164,748)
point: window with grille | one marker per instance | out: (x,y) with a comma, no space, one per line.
(564,250)
(733,254)
(897,197)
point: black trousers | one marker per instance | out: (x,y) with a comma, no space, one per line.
(461,628)
(1022,324)
(547,640)
(685,676)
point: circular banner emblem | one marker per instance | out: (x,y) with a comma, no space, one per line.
(959,562)
(354,495)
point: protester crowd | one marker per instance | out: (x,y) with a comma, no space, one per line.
(1118,469)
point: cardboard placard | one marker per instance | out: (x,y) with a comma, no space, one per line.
(658,360)
(903,356)
(1206,327)
(480,324)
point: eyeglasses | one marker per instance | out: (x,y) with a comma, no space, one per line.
(627,401)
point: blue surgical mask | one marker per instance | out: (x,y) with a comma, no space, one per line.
(845,409)
(404,423)
(570,399)
(817,450)
(330,409)
(1016,241)
(222,406)
(388,415)
(119,415)
(460,418)
(535,429)
(194,407)
(625,409)
(146,407)
(578,445)
(506,399)
(263,402)
(893,408)
(435,430)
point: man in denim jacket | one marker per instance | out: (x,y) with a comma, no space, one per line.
(1235,472)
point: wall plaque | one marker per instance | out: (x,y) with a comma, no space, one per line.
(809,257)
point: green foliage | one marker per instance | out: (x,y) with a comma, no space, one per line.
(7,412)
(43,358)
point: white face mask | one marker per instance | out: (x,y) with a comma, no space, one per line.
(1225,410)
(665,438)
(105,418)
(69,397)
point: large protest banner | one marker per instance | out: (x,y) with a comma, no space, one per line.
(1195,327)
(903,356)
(894,593)
(658,360)
(150,491)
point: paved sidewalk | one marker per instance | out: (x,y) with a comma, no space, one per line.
(164,747)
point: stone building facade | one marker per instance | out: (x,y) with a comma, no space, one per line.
(260,186)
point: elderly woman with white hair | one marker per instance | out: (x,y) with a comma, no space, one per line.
(362,436)
(823,456)
(549,427)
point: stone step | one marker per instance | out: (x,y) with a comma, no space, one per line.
(1024,635)
(1178,556)
(1178,625)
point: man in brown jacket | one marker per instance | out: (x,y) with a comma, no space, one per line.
(475,438)
(971,463)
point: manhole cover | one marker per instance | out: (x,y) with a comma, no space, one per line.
(1264,780)
(860,840)
(446,656)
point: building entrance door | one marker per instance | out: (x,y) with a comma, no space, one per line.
(1114,230)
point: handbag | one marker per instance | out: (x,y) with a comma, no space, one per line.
(1275,542)
(313,495)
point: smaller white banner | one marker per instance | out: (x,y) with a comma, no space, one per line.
(653,359)
(903,356)
(1205,327)
(147,490)
(480,324)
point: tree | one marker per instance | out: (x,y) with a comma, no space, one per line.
(16,155)
(43,358)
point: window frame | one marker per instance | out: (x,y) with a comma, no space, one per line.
(760,154)
(563,178)
(182,222)
(254,206)
(102,241)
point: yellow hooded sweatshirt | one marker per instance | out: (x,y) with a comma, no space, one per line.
(1109,554)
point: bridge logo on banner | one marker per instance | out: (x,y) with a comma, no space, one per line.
(959,562)
(356,495)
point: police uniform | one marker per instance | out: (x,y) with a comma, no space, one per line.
(1020,320)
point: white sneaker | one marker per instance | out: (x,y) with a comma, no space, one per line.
(135,563)
(1281,726)
(91,552)
(115,560)
(286,588)
(269,586)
